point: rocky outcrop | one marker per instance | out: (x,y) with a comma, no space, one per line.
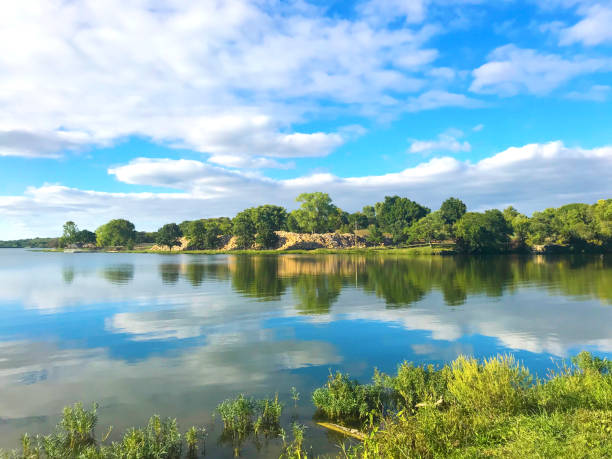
(286,241)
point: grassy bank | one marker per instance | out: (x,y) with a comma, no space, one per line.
(447,249)
(493,408)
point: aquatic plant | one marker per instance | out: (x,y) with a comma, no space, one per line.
(344,399)
(237,415)
(295,449)
(295,396)
(74,438)
(193,437)
(243,415)
(160,439)
(268,419)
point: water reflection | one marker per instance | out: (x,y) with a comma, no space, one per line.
(257,277)
(119,274)
(176,334)
(403,281)
(169,272)
(316,293)
(68,274)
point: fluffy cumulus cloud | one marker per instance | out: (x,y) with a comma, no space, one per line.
(217,77)
(593,29)
(511,70)
(447,141)
(530,177)
(40,144)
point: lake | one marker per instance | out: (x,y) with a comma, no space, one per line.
(177,334)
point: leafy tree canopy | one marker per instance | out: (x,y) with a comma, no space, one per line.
(317,214)
(452,210)
(486,232)
(395,215)
(429,228)
(118,232)
(244,228)
(169,235)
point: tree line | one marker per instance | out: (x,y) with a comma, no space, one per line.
(396,221)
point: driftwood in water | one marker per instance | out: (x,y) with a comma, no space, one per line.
(343,430)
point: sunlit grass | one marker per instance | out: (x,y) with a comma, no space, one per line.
(493,408)
(469,408)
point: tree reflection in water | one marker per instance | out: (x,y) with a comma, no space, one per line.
(316,281)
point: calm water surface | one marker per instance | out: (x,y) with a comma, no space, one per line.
(176,334)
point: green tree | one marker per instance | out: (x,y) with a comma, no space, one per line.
(429,228)
(370,212)
(486,232)
(195,232)
(145,237)
(510,213)
(69,235)
(358,220)
(316,213)
(244,228)
(543,227)
(85,237)
(203,234)
(169,235)
(602,215)
(118,232)
(395,215)
(452,210)
(211,237)
(292,223)
(375,235)
(268,219)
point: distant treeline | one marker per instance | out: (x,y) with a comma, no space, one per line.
(396,221)
(37,242)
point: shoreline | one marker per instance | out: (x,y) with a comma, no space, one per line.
(417,251)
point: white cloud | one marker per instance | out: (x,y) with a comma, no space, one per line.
(478,127)
(218,77)
(446,141)
(40,144)
(248,162)
(444,73)
(531,177)
(594,29)
(596,93)
(438,98)
(512,70)
(384,11)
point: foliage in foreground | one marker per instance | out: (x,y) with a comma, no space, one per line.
(493,408)
(75,438)
(243,415)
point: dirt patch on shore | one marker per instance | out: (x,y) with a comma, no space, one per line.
(286,241)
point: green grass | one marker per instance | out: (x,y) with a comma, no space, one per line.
(469,408)
(493,408)
(75,437)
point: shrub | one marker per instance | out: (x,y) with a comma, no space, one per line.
(498,385)
(237,415)
(344,399)
(268,420)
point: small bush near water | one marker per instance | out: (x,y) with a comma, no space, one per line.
(75,438)
(493,408)
(243,415)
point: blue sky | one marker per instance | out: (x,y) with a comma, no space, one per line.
(164,111)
